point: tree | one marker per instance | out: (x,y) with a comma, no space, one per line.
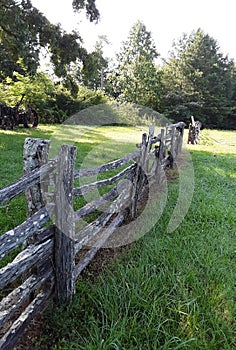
(90,7)
(198,80)
(135,78)
(24,31)
(95,65)
(53,102)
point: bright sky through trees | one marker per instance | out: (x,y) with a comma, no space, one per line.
(166,19)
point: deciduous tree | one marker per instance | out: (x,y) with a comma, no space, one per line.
(24,30)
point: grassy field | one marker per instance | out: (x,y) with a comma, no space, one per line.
(167,290)
(94,147)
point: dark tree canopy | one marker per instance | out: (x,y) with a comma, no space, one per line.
(198,80)
(89,6)
(24,31)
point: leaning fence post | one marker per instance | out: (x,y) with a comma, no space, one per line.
(35,154)
(65,226)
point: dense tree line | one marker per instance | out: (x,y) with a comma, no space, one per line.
(199,80)
(196,80)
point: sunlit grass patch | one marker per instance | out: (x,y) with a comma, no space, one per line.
(215,141)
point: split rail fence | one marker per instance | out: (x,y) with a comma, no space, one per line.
(48,266)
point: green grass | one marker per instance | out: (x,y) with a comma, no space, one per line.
(167,290)
(95,146)
(11,147)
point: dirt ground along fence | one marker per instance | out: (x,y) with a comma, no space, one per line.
(51,238)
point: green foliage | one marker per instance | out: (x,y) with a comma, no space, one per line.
(17,36)
(87,97)
(24,31)
(36,89)
(94,68)
(90,7)
(198,80)
(53,102)
(136,79)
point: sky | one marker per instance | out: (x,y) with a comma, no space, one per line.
(165,19)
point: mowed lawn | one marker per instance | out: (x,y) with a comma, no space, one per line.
(95,146)
(168,290)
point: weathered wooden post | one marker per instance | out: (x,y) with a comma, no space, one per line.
(159,156)
(193,132)
(35,155)
(180,139)
(141,170)
(148,148)
(162,145)
(173,141)
(137,177)
(65,226)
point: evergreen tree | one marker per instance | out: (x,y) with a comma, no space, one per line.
(95,66)
(230,122)
(135,78)
(198,80)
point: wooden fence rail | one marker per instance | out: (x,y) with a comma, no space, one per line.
(49,241)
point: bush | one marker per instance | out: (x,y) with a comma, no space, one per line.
(52,101)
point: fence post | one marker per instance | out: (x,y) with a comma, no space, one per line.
(162,146)
(180,141)
(138,177)
(148,148)
(65,226)
(35,154)
(173,140)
